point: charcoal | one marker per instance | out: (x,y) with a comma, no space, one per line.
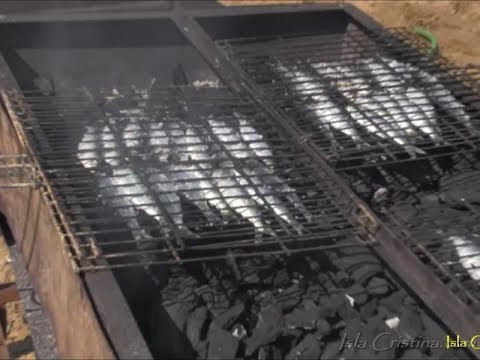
(290,297)
(354,327)
(457,188)
(331,351)
(222,345)
(393,302)
(202,349)
(410,325)
(308,348)
(363,353)
(216,301)
(313,292)
(314,265)
(377,286)
(323,328)
(325,281)
(305,319)
(251,277)
(339,325)
(342,278)
(264,298)
(369,308)
(412,354)
(238,330)
(384,312)
(308,304)
(361,274)
(227,318)
(269,326)
(345,310)
(281,278)
(373,328)
(358,293)
(194,325)
(328,306)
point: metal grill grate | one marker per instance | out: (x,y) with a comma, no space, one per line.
(366,99)
(449,241)
(178,174)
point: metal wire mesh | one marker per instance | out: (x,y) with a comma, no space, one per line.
(178,174)
(15,171)
(366,98)
(449,242)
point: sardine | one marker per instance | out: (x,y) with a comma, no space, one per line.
(232,141)
(274,202)
(327,113)
(254,140)
(409,105)
(159,141)
(128,186)
(238,198)
(132,137)
(192,179)
(267,177)
(371,109)
(376,121)
(109,148)
(469,255)
(165,191)
(194,184)
(438,93)
(87,150)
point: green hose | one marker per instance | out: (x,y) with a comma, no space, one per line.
(428,35)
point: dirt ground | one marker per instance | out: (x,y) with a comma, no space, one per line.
(17,331)
(455,23)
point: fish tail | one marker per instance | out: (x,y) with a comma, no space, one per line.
(414,151)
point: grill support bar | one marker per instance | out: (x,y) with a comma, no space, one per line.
(457,317)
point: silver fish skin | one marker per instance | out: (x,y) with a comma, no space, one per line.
(109,147)
(469,254)
(411,105)
(166,193)
(87,150)
(375,120)
(194,184)
(444,97)
(113,196)
(129,187)
(192,180)
(158,141)
(232,141)
(274,202)
(279,186)
(131,137)
(254,140)
(370,110)
(325,110)
(238,198)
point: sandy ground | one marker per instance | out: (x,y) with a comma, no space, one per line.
(17,330)
(455,23)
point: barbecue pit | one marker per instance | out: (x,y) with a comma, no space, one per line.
(170,178)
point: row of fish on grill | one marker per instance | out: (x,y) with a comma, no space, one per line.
(386,98)
(147,162)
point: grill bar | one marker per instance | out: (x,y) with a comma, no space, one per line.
(334,68)
(282,161)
